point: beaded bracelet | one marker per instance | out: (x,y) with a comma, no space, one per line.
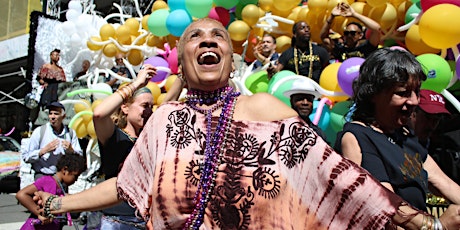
(47,209)
(437,225)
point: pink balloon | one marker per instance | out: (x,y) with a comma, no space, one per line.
(172,60)
(220,14)
(427,4)
(348,72)
(158,61)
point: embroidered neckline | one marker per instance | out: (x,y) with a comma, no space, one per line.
(132,139)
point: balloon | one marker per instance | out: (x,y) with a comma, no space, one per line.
(75,5)
(157,22)
(250,14)
(278,90)
(338,115)
(173,60)
(415,44)
(427,4)
(79,127)
(220,14)
(145,26)
(440,26)
(155,41)
(283,42)
(110,50)
(177,21)
(329,80)
(133,25)
(457,67)
(102,87)
(257,82)
(68,28)
(238,30)
(158,61)
(106,32)
(159,4)
(348,72)
(96,103)
(376,3)
(198,8)
(72,15)
(161,98)
(84,105)
(414,9)
(266,5)
(91,131)
(169,82)
(318,6)
(386,15)
(227,4)
(325,115)
(135,57)
(123,33)
(437,71)
(176,5)
(155,90)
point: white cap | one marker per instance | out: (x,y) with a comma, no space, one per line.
(303,85)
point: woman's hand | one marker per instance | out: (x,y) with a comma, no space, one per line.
(450,219)
(45,220)
(144,75)
(40,198)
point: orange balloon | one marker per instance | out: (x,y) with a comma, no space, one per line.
(415,44)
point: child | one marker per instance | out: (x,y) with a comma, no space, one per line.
(69,167)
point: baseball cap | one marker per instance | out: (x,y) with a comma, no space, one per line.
(55,104)
(432,102)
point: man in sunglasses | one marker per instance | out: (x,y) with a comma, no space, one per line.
(354,44)
(119,68)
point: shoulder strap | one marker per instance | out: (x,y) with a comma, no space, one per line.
(70,132)
(42,133)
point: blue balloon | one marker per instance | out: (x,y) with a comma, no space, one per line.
(325,115)
(177,21)
(176,5)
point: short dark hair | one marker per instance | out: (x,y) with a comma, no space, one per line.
(382,70)
(356,24)
(55,50)
(74,163)
(273,37)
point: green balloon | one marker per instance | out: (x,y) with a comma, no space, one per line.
(157,22)
(257,82)
(227,4)
(279,91)
(437,70)
(414,9)
(198,8)
(338,112)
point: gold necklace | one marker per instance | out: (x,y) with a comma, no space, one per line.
(297,60)
(132,139)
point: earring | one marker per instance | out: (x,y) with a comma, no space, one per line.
(232,74)
(181,77)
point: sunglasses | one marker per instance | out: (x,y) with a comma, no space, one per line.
(350,32)
(118,59)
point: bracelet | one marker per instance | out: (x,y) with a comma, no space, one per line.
(437,225)
(126,91)
(47,209)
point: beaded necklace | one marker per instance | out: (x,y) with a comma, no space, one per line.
(296,60)
(215,144)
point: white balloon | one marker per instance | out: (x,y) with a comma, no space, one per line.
(102,87)
(68,27)
(75,5)
(72,15)
(75,40)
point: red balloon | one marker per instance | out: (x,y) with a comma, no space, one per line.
(426,4)
(220,14)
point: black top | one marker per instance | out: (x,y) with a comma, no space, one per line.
(342,52)
(396,159)
(320,60)
(113,154)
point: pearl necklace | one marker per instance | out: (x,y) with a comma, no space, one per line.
(215,144)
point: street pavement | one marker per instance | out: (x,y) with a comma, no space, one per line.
(13,215)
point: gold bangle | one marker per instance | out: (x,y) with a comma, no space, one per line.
(123,97)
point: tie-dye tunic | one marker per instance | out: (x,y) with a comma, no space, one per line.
(274,175)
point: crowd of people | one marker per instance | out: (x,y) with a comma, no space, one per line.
(224,160)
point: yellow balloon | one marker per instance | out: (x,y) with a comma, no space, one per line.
(133,25)
(122,33)
(302,15)
(135,57)
(386,15)
(169,81)
(110,50)
(96,103)
(250,14)
(266,5)
(139,42)
(440,26)
(155,89)
(283,42)
(160,98)
(172,40)
(93,46)
(318,6)
(333,3)
(106,31)
(329,81)
(154,41)
(286,5)
(281,13)
(376,3)
(159,4)
(144,22)
(415,44)
(80,128)
(78,107)
(361,7)
(238,30)
(402,9)
(91,131)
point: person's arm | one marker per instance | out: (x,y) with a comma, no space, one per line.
(98,197)
(24,196)
(441,181)
(74,146)
(175,90)
(324,34)
(103,123)
(370,24)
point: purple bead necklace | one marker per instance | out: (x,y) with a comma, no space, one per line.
(215,144)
